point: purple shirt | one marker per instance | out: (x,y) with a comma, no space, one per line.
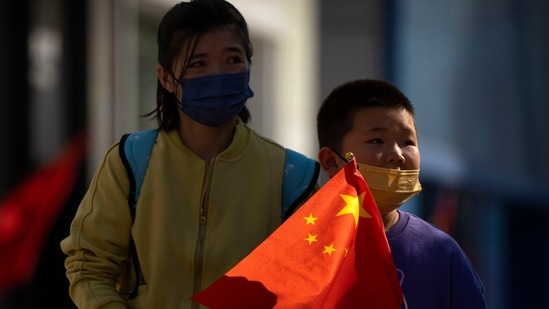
(433,270)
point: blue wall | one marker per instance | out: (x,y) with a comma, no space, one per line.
(478,75)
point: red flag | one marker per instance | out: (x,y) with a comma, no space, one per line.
(28,213)
(331,253)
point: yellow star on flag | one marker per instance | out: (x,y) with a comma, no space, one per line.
(310,219)
(329,249)
(353,206)
(311,238)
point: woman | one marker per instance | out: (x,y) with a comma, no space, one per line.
(213,187)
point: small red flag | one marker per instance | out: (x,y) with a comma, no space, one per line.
(331,253)
(27,214)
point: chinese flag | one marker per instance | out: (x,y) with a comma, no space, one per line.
(28,213)
(331,253)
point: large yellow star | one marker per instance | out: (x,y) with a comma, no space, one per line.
(329,249)
(310,219)
(353,206)
(311,238)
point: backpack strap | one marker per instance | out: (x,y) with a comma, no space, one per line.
(135,150)
(300,178)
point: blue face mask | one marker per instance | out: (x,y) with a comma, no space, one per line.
(214,100)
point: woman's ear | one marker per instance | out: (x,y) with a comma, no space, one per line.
(329,161)
(166,80)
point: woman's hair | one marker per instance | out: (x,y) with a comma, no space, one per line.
(181,27)
(335,117)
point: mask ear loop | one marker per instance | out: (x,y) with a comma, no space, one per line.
(349,156)
(178,80)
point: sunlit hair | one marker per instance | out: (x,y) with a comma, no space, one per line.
(178,33)
(335,117)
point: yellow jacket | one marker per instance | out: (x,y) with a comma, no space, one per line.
(180,249)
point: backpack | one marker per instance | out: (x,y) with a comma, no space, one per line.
(300,177)
(300,173)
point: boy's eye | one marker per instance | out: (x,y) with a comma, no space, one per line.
(409,143)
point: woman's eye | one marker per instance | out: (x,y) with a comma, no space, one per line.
(410,143)
(196,64)
(375,141)
(235,60)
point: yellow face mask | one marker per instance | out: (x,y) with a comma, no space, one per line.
(390,187)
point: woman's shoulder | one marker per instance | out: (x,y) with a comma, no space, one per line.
(261,140)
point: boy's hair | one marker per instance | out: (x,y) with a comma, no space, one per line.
(181,27)
(335,117)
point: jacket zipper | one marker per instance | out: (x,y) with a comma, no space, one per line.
(199,256)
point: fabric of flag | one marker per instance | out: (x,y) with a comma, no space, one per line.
(331,253)
(29,211)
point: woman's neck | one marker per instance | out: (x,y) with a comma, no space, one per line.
(205,141)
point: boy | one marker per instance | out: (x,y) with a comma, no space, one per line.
(375,121)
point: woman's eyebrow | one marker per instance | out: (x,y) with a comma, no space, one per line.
(196,56)
(235,48)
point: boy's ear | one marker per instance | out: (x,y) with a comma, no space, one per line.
(165,79)
(329,161)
